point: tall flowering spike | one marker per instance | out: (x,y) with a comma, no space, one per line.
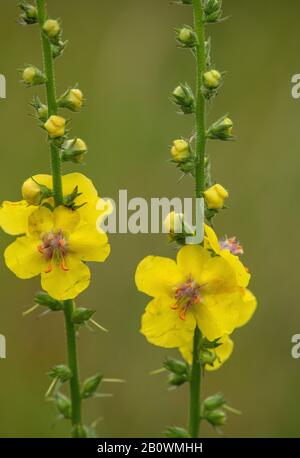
(55,222)
(198,300)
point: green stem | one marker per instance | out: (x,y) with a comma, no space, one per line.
(73,365)
(195,378)
(58,199)
(195,382)
(51,101)
(200,99)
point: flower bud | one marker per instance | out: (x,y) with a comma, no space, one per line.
(177,379)
(174,432)
(74,150)
(28,13)
(212,10)
(34,193)
(32,76)
(60,372)
(52,28)
(42,298)
(186,37)
(214,402)
(81,315)
(176,366)
(215,197)
(177,228)
(180,150)
(216,417)
(63,405)
(55,126)
(58,48)
(207,357)
(183,97)
(71,99)
(221,129)
(90,385)
(212,79)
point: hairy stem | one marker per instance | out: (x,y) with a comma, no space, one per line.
(51,101)
(195,378)
(58,199)
(73,365)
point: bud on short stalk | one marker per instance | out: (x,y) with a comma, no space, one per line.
(52,29)
(183,97)
(221,129)
(90,385)
(32,76)
(74,150)
(55,126)
(186,37)
(28,14)
(71,99)
(215,197)
(34,193)
(43,299)
(60,372)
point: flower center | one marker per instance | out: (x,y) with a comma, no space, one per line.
(54,247)
(231,244)
(186,295)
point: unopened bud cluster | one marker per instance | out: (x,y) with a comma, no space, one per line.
(178,371)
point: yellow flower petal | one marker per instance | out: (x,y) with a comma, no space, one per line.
(63,285)
(218,276)
(89,244)
(191,260)
(162,326)
(242,276)
(247,309)
(40,222)
(211,239)
(218,315)
(223,352)
(14,217)
(22,258)
(85,186)
(65,219)
(156,276)
(43,179)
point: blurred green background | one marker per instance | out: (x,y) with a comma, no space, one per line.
(124,56)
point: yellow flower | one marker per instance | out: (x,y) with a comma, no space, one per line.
(211,242)
(75,98)
(215,197)
(14,215)
(212,78)
(198,289)
(51,27)
(242,275)
(55,126)
(222,353)
(57,245)
(180,150)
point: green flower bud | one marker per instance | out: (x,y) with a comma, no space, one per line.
(186,37)
(74,150)
(183,97)
(176,366)
(90,385)
(176,432)
(80,431)
(58,48)
(177,379)
(216,417)
(32,76)
(63,405)
(28,15)
(81,315)
(207,357)
(60,372)
(214,402)
(45,300)
(40,108)
(212,10)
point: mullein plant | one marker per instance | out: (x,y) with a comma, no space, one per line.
(200,298)
(55,222)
